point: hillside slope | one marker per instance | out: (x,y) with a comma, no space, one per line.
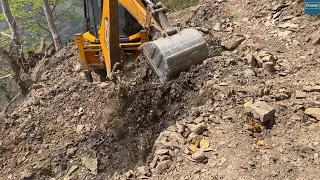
(194,127)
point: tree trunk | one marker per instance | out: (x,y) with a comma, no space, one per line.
(16,71)
(11,22)
(42,47)
(15,34)
(52,26)
(16,64)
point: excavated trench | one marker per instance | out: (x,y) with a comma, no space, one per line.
(117,124)
(142,112)
(140,109)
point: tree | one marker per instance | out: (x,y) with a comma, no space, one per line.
(53,29)
(15,63)
(31,18)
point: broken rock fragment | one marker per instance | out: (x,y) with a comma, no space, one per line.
(314,112)
(281,96)
(163,165)
(312,89)
(261,110)
(268,67)
(199,156)
(72,169)
(162,151)
(251,60)
(217,27)
(233,42)
(315,37)
(198,129)
(143,170)
(300,94)
(90,163)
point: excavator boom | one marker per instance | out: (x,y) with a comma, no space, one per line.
(118,30)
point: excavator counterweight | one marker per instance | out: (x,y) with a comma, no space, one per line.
(119,30)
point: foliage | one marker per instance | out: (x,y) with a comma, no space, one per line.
(32,22)
(176,5)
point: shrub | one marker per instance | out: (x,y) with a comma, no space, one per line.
(176,5)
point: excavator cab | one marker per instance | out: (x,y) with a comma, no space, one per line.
(128,25)
(117,31)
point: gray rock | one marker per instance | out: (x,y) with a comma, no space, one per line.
(251,60)
(269,58)
(281,96)
(198,129)
(300,94)
(214,119)
(268,67)
(314,112)
(71,152)
(154,162)
(162,151)
(261,110)
(77,68)
(233,43)
(90,163)
(164,157)
(180,128)
(129,174)
(79,128)
(311,89)
(217,27)
(163,165)
(248,73)
(72,169)
(198,120)
(44,77)
(103,85)
(199,156)
(315,37)
(143,170)
(204,29)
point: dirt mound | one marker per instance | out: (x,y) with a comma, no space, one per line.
(65,119)
(67,128)
(269,60)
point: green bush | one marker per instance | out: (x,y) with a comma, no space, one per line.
(176,5)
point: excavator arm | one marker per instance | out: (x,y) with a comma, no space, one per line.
(170,51)
(109,34)
(109,31)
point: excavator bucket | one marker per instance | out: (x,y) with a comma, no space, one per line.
(171,55)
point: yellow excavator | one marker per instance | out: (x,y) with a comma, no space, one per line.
(117,31)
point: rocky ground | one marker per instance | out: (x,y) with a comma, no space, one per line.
(250,111)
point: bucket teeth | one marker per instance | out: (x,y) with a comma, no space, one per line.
(174,54)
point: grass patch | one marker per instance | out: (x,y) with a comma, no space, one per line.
(176,5)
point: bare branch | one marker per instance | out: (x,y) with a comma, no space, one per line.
(55,5)
(46,29)
(4,34)
(6,76)
(64,11)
